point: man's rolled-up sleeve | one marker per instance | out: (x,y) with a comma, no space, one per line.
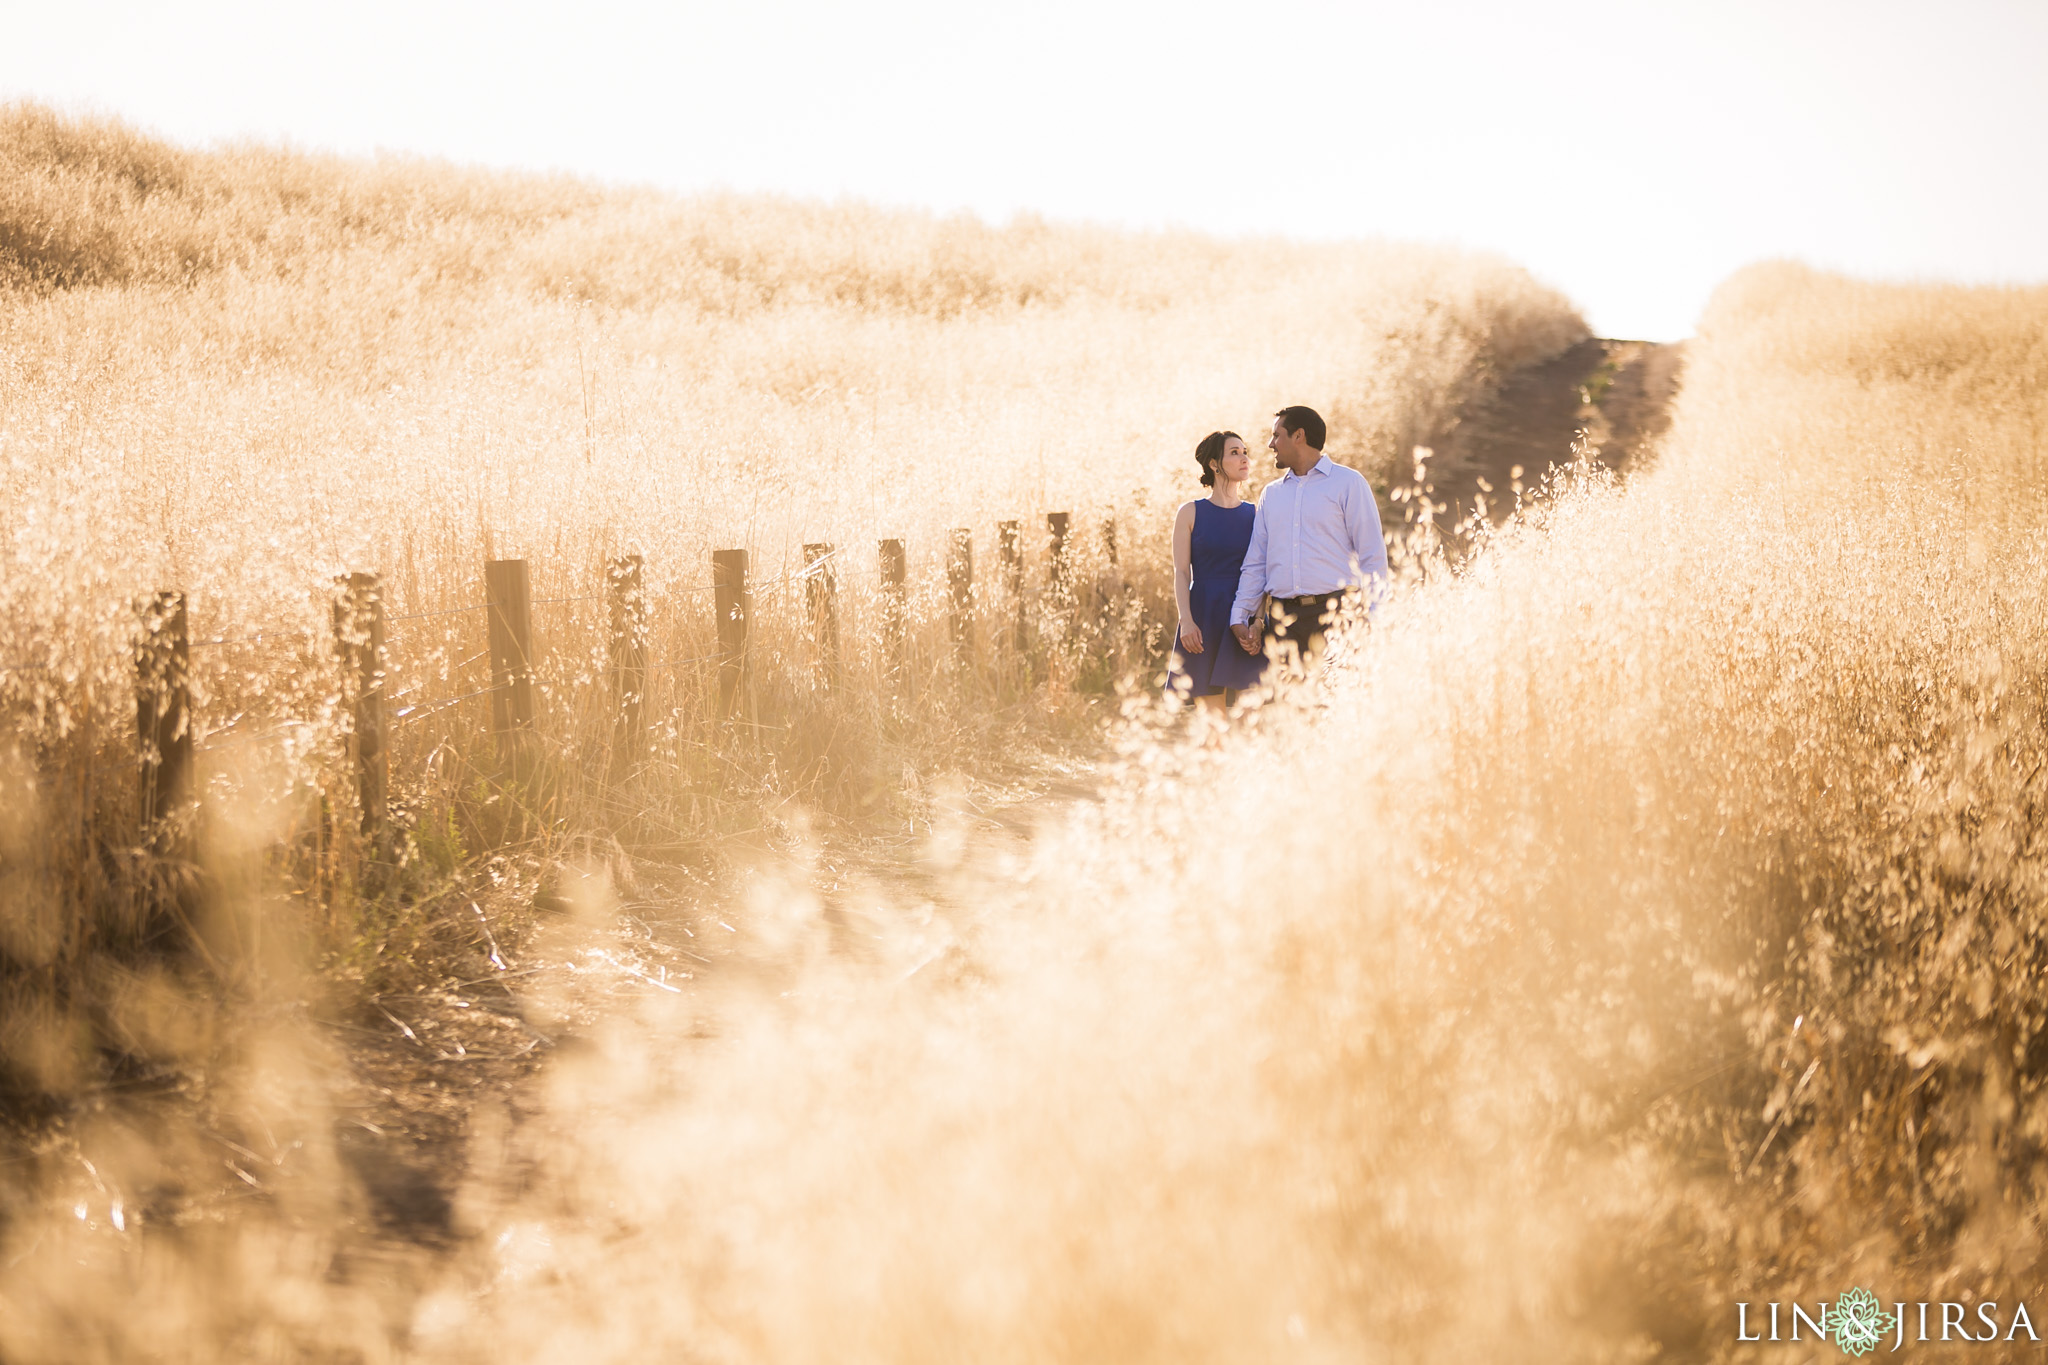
(1251,579)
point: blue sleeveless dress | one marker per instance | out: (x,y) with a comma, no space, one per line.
(1216,549)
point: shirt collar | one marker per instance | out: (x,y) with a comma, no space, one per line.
(1316,468)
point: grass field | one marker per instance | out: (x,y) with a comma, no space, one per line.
(240,373)
(1642,919)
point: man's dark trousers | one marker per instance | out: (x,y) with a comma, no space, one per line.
(1306,620)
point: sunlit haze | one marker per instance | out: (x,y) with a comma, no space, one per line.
(1632,155)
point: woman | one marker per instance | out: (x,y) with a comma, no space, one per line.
(1210,536)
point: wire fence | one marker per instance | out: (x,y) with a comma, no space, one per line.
(252,639)
(301,635)
(421,712)
(171,691)
(428,615)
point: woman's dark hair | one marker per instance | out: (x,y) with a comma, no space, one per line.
(1210,451)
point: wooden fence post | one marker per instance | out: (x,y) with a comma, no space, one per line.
(1010,545)
(359,639)
(626,594)
(960,590)
(1110,584)
(1060,572)
(508,593)
(821,603)
(895,604)
(729,598)
(163,719)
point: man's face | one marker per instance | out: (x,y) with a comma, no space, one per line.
(1284,444)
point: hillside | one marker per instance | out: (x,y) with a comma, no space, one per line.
(242,373)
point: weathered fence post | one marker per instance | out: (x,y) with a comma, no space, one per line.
(163,719)
(960,591)
(1109,586)
(1060,571)
(895,604)
(626,595)
(508,594)
(821,604)
(1010,546)
(359,639)
(729,599)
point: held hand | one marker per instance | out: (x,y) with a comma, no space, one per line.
(1247,637)
(1190,638)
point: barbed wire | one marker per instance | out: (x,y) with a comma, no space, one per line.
(557,601)
(407,715)
(786,577)
(452,669)
(208,745)
(250,639)
(413,713)
(423,615)
(680,663)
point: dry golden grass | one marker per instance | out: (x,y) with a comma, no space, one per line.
(1644,919)
(241,373)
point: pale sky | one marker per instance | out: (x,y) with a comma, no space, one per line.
(1631,154)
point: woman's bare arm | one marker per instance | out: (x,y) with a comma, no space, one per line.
(1183,575)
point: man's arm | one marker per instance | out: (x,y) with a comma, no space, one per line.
(1368,544)
(1251,579)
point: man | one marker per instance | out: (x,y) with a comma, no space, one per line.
(1317,534)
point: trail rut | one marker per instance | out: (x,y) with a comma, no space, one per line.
(1615,394)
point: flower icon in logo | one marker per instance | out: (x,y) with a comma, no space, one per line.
(1860,1322)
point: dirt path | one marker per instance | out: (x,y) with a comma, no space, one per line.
(1617,393)
(421,1066)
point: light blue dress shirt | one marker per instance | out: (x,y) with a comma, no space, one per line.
(1317,532)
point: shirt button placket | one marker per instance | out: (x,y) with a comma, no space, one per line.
(1297,540)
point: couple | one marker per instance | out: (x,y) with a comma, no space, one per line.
(1314,535)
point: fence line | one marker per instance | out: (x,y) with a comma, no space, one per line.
(453,669)
(681,663)
(167,721)
(425,709)
(251,639)
(424,615)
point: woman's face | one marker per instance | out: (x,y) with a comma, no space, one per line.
(1236,462)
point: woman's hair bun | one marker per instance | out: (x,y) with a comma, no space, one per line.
(1210,451)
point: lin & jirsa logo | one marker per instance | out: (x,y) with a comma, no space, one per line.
(1858,1323)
